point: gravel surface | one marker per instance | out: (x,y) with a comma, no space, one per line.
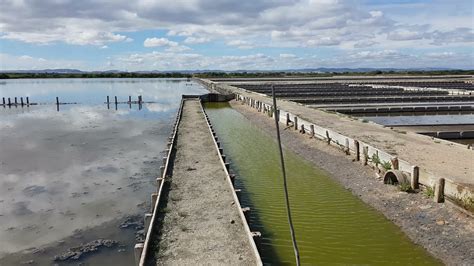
(201,224)
(445,232)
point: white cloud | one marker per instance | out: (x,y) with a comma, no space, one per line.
(159,42)
(364,44)
(12,62)
(196,40)
(280,23)
(241,44)
(341,26)
(405,35)
(178,49)
(287,56)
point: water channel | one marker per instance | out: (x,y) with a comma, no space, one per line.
(332,225)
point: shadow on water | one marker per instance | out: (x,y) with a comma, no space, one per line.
(332,225)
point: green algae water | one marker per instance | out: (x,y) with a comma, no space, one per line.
(332,225)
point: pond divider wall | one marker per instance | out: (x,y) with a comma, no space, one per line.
(142,250)
(370,155)
(230,180)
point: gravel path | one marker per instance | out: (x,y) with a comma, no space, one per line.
(444,231)
(201,224)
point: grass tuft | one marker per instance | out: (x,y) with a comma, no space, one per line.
(429,192)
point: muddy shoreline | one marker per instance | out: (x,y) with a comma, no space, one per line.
(445,232)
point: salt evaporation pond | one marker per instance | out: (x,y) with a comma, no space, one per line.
(74,176)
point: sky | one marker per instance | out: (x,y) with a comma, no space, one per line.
(145,35)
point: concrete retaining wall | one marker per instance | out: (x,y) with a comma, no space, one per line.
(142,250)
(250,235)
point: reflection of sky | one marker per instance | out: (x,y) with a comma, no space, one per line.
(95,91)
(423,119)
(82,166)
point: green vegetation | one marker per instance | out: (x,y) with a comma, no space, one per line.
(245,74)
(92,75)
(386,165)
(429,192)
(221,74)
(165,210)
(375,159)
(466,202)
(405,187)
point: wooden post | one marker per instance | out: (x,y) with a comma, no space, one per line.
(328,139)
(347,149)
(27,101)
(154,197)
(246,211)
(366,155)
(357,150)
(138,249)
(394,162)
(287,119)
(3,100)
(16,101)
(302,131)
(147,221)
(415,173)
(296,123)
(9,102)
(21,101)
(311,127)
(439,191)
(162,171)
(57,104)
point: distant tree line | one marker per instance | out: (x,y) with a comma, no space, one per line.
(93,75)
(330,74)
(242,74)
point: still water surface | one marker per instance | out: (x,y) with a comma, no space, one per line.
(333,227)
(73,176)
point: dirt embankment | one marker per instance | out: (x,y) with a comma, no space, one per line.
(444,231)
(200,224)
